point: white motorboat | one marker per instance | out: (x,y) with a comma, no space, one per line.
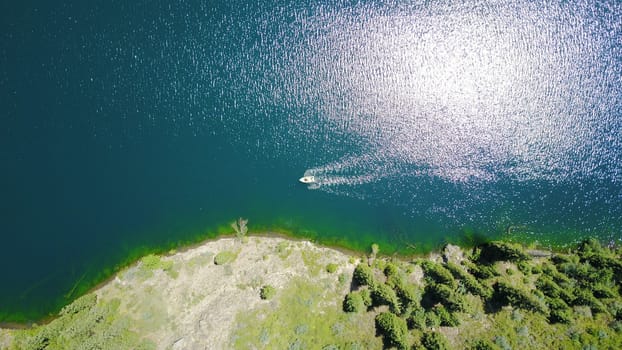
(307,179)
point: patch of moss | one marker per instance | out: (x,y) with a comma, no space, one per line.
(267,292)
(225,257)
(331,268)
(153,262)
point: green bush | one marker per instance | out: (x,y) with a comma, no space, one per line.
(501,251)
(483,344)
(391,270)
(602,261)
(447,318)
(267,292)
(393,330)
(331,268)
(438,273)
(353,302)
(363,275)
(525,267)
(417,319)
(366,297)
(482,272)
(406,292)
(434,340)
(507,294)
(559,259)
(551,289)
(432,320)
(560,311)
(224,257)
(589,246)
(382,294)
(470,283)
(551,271)
(536,269)
(440,293)
(585,297)
(561,316)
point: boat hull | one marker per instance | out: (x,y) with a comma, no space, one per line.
(307,179)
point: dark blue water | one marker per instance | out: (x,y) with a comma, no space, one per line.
(134,126)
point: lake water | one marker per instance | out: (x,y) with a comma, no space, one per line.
(131,126)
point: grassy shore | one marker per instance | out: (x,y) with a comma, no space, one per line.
(273,292)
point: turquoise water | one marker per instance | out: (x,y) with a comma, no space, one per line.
(134,126)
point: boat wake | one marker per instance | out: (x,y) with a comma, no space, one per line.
(350,171)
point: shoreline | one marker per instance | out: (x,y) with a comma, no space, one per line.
(271,291)
(179,251)
(289,236)
(158,284)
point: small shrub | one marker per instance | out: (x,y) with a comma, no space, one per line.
(331,268)
(151,262)
(552,289)
(267,292)
(483,344)
(353,302)
(364,275)
(382,294)
(438,273)
(432,320)
(471,284)
(503,342)
(501,251)
(366,297)
(417,319)
(392,328)
(447,319)
(434,340)
(525,267)
(561,316)
(602,291)
(224,257)
(560,312)
(589,246)
(440,293)
(240,229)
(391,270)
(559,259)
(585,297)
(406,292)
(551,271)
(482,272)
(507,294)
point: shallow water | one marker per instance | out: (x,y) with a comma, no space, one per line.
(135,126)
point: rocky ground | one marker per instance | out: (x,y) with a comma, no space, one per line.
(188,301)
